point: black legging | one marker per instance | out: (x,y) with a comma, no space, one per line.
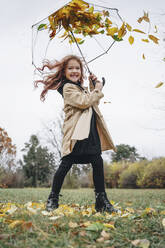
(65,166)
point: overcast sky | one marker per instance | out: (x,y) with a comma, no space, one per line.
(135,114)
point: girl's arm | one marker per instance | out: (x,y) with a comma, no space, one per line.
(73,96)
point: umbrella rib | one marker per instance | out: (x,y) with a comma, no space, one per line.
(102,53)
(80,51)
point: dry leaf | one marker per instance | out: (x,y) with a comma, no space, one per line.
(144,56)
(100,240)
(105,235)
(16,223)
(72,224)
(162,212)
(143,243)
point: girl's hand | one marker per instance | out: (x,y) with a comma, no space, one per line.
(98,84)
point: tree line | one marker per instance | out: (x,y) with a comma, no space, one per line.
(124,169)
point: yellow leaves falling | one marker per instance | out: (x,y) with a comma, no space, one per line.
(159,85)
(153,38)
(128,27)
(131,39)
(138,31)
(145,18)
(145,40)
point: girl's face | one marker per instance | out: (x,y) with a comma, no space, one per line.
(73,71)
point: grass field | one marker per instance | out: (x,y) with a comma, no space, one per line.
(25,223)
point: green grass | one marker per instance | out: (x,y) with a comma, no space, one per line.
(141,224)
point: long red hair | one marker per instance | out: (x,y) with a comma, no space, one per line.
(53,81)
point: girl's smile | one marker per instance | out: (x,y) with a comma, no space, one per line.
(73,71)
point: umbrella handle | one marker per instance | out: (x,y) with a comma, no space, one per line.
(94,82)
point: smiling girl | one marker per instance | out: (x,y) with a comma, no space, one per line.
(85,134)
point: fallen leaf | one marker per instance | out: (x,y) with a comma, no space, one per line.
(105,235)
(82,233)
(109,225)
(143,243)
(54,217)
(100,240)
(16,223)
(95,227)
(72,224)
(162,212)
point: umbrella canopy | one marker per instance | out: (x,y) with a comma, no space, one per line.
(78,27)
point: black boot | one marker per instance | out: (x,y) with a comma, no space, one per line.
(102,203)
(52,202)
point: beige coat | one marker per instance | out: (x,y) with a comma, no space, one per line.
(78,105)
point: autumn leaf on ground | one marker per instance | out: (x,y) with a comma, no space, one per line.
(159,85)
(95,227)
(163,222)
(16,223)
(143,243)
(73,224)
(144,56)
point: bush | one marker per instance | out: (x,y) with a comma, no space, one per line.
(13,179)
(129,177)
(154,174)
(112,173)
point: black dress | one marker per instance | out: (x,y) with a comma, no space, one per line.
(88,149)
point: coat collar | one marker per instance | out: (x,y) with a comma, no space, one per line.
(65,81)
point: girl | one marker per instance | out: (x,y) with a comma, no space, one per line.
(84,129)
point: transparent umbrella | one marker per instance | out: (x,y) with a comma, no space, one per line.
(81,28)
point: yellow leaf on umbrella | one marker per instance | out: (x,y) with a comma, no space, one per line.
(129,27)
(131,39)
(122,31)
(144,56)
(153,38)
(138,31)
(16,223)
(159,85)
(112,31)
(145,40)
